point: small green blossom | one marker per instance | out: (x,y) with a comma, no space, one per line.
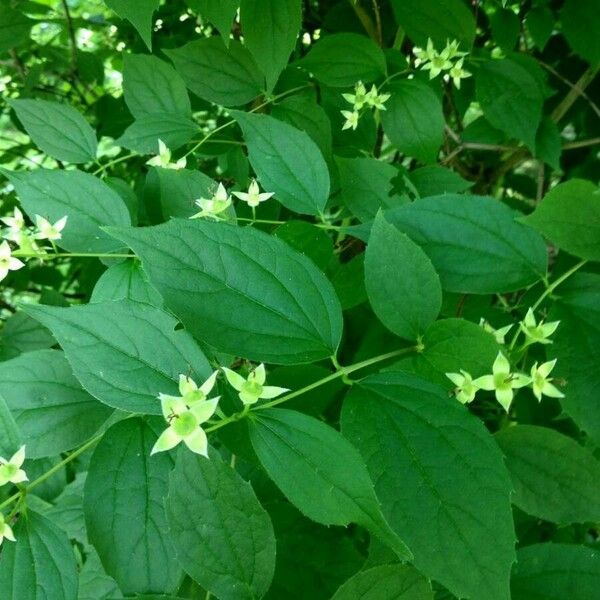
(10,470)
(213,207)
(451,50)
(436,65)
(252,389)
(375,99)
(456,73)
(499,334)
(502,381)
(537,332)
(437,62)
(15,224)
(7,261)
(465,387)
(426,54)
(48,231)
(359,98)
(352,117)
(163,159)
(540,382)
(6,531)
(253,197)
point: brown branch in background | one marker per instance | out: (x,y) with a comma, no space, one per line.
(377,13)
(365,19)
(541,182)
(581,144)
(577,90)
(71,30)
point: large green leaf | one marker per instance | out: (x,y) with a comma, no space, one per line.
(440,478)
(556,572)
(414,120)
(287,162)
(474,243)
(219,12)
(14,27)
(138,13)
(511,98)
(554,477)
(319,472)
(51,410)
(569,216)
(57,129)
(241,290)
(223,537)
(124,353)
(403,287)
(20,333)
(580,21)
(151,85)
(124,508)
(40,565)
(125,281)
(577,347)
(342,59)
(227,76)
(386,582)
(270,30)
(87,202)
(440,20)
(10,436)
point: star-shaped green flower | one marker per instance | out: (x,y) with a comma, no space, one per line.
(540,382)
(5,531)
(537,332)
(10,470)
(252,389)
(465,387)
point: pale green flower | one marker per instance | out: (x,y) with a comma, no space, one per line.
(352,117)
(190,392)
(15,224)
(47,230)
(252,389)
(499,334)
(375,99)
(7,261)
(253,197)
(540,382)
(426,54)
(451,50)
(465,387)
(502,381)
(163,159)
(537,332)
(213,207)
(10,470)
(456,73)
(436,65)
(5,531)
(359,98)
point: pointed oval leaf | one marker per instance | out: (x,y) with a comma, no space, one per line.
(124,508)
(125,281)
(223,537)
(335,487)
(440,476)
(138,13)
(240,290)
(124,353)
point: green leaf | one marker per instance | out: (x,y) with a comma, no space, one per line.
(222,535)
(434,180)
(506,27)
(124,353)
(220,13)
(440,478)
(21,333)
(94,583)
(335,487)
(270,29)
(40,565)
(87,202)
(555,572)
(151,86)
(474,243)
(308,239)
(386,582)
(511,98)
(548,143)
(554,477)
(138,13)
(227,76)
(403,288)
(440,20)
(123,503)
(577,347)
(14,28)
(51,410)
(287,162)
(57,129)
(10,436)
(569,216)
(180,188)
(414,120)
(580,22)
(143,134)
(451,345)
(540,23)
(125,281)
(366,186)
(240,290)
(342,59)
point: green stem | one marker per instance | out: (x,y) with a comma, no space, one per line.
(113,162)
(69,255)
(272,222)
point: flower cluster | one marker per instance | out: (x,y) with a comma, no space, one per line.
(450,60)
(503,380)
(11,472)
(359,100)
(185,414)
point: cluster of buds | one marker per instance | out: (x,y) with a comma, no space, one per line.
(449,61)
(502,380)
(163,159)
(26,239)
(359,100)
(11,472)
(185,414)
